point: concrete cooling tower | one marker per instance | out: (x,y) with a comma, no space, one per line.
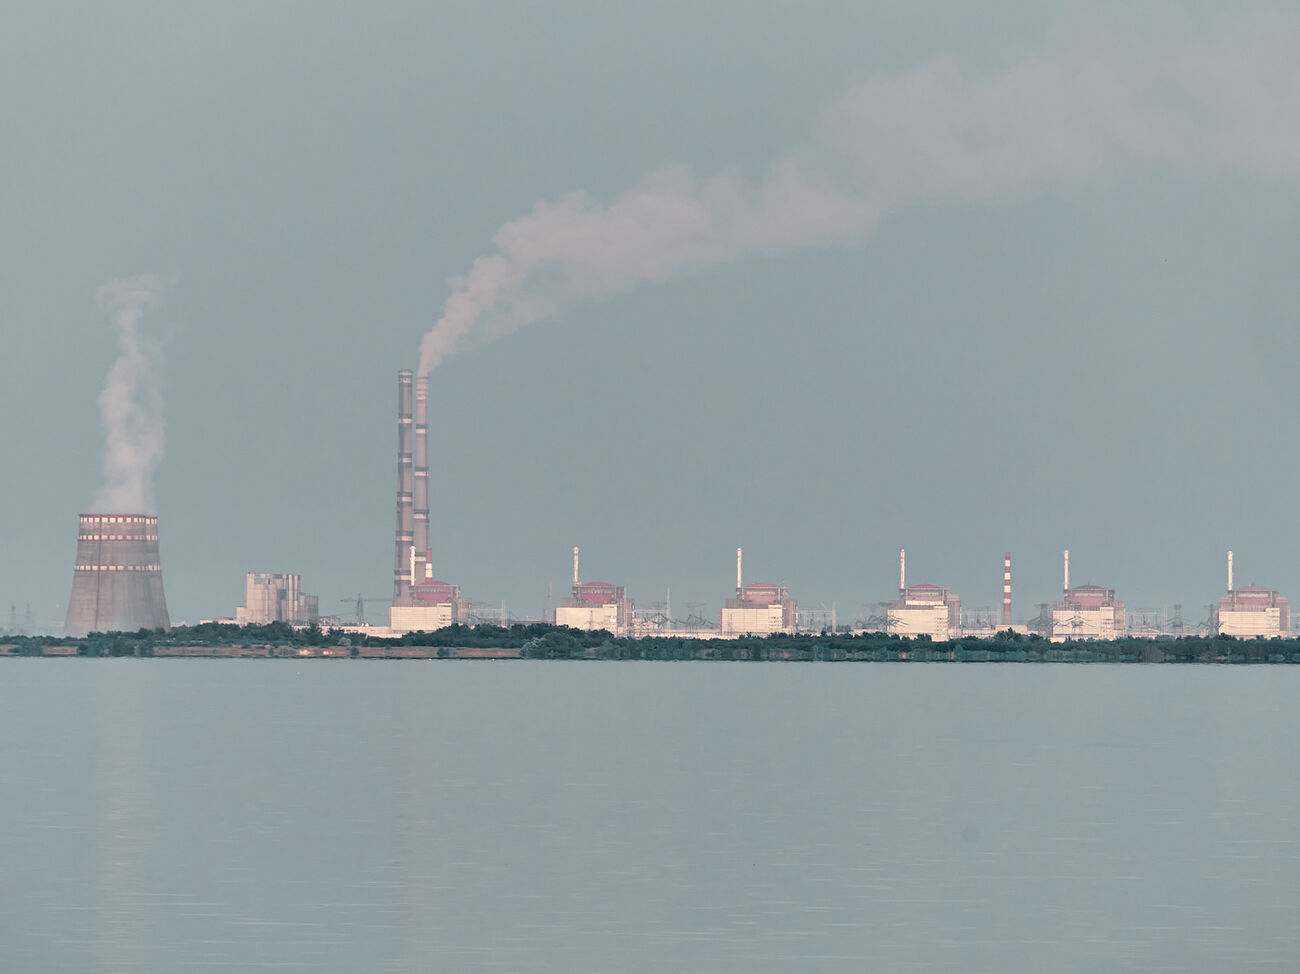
(117,585)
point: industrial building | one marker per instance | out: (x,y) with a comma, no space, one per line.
(421,603)
(1086,612)
(276,597)
(922,610)
(759,609)
(596,605)
(436,605)
(117,582)
(1251,611)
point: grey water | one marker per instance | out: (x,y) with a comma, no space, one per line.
(169,815)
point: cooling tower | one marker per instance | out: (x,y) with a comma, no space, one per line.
(117,584)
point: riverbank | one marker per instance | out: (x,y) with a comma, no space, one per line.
(1215,651)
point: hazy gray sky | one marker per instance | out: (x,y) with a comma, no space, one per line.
(841,278)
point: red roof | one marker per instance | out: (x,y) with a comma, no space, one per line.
(1088,596)
(434,591)
(760,593)
(595,592)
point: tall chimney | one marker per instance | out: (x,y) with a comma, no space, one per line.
(902,571)
(575,566)
(1067,571)
(739,578)
(1229,571)
(1006,589)
(405,519)
(423,568)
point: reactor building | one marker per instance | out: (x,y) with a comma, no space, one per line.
(117,582)
(595,605)
(1251,611)
(276,597)
(421,603)
(759,609)
(922,610)
(1086,612)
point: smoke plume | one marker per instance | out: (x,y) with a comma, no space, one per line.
(130,406)
(1159,99)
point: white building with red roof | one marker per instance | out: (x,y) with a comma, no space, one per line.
(1251,611)
(922,610)
(1087,612)
(432,604)
(596,605)
(759,609)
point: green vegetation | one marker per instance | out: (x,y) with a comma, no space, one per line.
(557,642)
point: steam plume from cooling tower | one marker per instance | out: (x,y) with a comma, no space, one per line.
(1159,97)
(130,406)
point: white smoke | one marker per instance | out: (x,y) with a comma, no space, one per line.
(130,406)
(1165,100)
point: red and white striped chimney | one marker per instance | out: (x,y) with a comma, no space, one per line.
(423,568)
(1006,589)
(405,539)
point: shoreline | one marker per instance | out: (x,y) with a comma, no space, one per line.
(1165,652)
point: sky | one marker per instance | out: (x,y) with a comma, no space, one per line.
(819,280)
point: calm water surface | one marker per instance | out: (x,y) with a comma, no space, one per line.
(347,816)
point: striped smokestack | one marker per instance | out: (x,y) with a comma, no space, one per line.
(1006,589)
(423,559)
(405,519)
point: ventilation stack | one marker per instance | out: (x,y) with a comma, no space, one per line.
(117,584)
(404,564)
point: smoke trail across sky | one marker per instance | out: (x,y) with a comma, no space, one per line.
(130,406)
(1158,97)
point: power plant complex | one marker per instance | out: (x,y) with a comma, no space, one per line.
(117,586)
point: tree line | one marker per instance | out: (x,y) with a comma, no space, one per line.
(544,641)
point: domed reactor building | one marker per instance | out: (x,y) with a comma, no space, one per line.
(117,585)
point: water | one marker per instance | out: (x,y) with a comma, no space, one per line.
(163,816)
